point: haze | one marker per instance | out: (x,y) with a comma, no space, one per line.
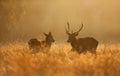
(100,19)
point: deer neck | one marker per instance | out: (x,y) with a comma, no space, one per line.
(48,42)
(74,42)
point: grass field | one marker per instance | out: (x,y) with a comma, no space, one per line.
(17,60)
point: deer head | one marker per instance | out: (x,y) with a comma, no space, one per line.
(49,38)
(72,36)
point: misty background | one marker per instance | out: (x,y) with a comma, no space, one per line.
(26,19)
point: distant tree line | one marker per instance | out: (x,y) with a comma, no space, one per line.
(11,11)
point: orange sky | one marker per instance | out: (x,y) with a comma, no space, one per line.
(100,18)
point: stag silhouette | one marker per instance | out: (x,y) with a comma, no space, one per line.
(81,45)
(35,44)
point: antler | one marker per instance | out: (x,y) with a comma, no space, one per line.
(68,26)
(67,31)
(80,28)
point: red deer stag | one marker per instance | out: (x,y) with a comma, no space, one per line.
(35,44)
(81,45)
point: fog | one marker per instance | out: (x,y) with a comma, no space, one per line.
(33,17)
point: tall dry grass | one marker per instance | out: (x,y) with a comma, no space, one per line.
(17,60)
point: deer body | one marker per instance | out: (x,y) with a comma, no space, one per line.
(85,44)
(81,44)
(34,43)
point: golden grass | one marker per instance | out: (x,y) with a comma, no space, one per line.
(17,60)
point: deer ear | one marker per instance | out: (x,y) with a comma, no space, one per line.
(76,34)
(45,34)
(49,33)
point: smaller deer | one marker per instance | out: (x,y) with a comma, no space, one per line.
(48,40)
(81,44)
(35,44)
